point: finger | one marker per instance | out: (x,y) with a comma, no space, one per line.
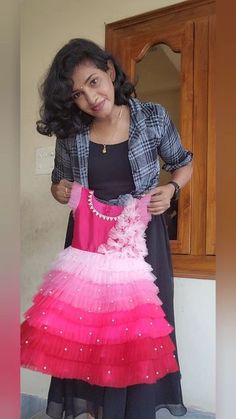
(154,191)
(66,183)
(65,188)
(158,193)
(66,192)
(156,200)
(159,196)
(152,210)
(157,207)
(155,212)
(157,204)
(65,199)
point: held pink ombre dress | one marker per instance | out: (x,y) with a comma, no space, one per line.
(97,316)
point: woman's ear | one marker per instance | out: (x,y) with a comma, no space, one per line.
(111,70)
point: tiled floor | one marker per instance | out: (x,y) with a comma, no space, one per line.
(34,408)
(164,414)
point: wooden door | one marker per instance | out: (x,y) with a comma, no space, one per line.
(187,28)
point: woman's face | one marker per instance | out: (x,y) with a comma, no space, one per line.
(93,90)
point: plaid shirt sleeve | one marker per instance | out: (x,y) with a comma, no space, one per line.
(170,149)
(62,163)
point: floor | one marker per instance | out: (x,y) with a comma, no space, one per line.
(34,408)
(162,414)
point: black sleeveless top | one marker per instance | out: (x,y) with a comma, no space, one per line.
(109,174)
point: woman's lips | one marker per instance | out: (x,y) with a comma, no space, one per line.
(98,107)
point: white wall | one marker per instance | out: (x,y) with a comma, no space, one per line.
(45,26)
(195,329)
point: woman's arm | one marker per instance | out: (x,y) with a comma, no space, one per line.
(177,161)
(62,174)
(161,195)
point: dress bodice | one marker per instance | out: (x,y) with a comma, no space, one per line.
(93,221)
(104,228)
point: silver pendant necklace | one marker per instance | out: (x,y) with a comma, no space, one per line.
(104,146)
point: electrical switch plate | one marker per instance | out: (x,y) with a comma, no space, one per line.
(44,160)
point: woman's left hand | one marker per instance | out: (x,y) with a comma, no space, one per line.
(160,199)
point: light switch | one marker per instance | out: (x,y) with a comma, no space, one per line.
(44,160)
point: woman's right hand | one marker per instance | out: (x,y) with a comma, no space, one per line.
(61,191)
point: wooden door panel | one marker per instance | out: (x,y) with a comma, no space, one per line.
(211,153)
(132,49)
(183,244)
(200,132)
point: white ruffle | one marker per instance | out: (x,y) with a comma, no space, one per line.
(127,238)
(100,268)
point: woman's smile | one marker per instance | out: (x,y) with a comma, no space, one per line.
(99,106)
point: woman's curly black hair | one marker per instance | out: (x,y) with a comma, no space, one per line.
(59,114)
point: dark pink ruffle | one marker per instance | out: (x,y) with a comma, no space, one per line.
(144,360)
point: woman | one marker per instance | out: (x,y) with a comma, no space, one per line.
(110,142)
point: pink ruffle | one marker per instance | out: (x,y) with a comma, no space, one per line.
(95,276)
(142,208)
(45,303)
(126,239)
(75,196)
(100,297)
(101,268)
(109,353)
(142,372)
(55,323)
(129,363)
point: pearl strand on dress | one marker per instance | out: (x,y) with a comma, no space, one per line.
(91,206)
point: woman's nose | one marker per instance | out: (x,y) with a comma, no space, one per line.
(90,96)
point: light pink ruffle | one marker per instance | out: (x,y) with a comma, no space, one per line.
(75,196)
(99,268)
(127,238)
(93,297)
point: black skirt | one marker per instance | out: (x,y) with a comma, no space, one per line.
(70,398)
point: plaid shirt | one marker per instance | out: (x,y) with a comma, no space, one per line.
(152,134)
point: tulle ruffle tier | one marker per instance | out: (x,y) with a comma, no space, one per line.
(101,322)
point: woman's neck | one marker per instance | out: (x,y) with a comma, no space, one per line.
(112,130)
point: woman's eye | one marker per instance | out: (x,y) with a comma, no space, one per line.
(93,82)
(75,95)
